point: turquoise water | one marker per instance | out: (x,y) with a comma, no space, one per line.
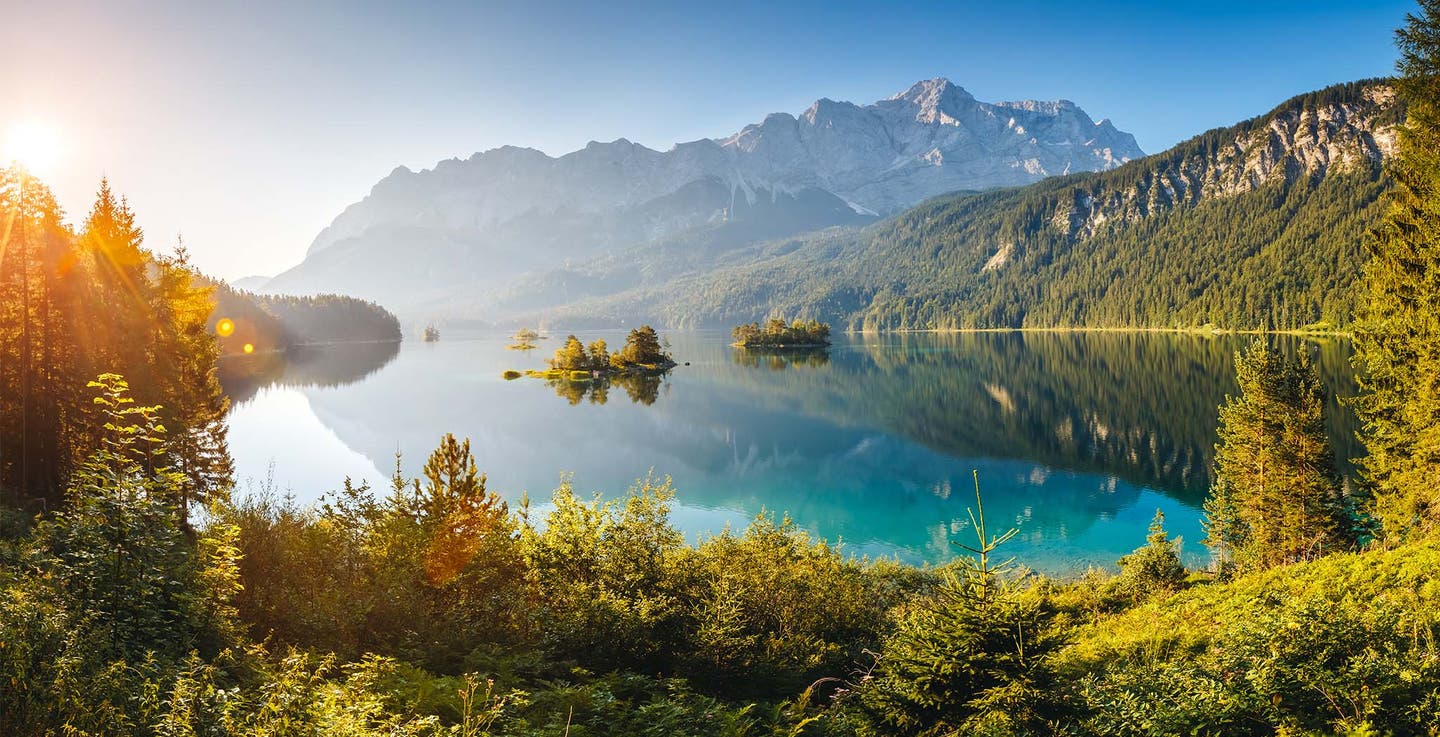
(1077,438)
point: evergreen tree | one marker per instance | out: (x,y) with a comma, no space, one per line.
(1398,342)
(190,384)
(1277,496)
(571,356)
(642,348)
(114,244)
(974,659)
(42,367)
(1155,567)
(599,355)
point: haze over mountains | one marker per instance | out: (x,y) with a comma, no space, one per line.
(450,241)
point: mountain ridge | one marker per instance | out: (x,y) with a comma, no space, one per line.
(1283,198)
(474,223)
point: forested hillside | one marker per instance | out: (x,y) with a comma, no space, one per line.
(1259,225)
(284,321)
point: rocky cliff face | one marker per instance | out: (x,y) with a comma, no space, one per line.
(1309,140)
(932,138)
(472,224)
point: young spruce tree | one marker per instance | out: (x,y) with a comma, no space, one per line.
(1277,497)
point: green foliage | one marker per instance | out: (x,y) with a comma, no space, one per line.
(642,350)
(432,572)
(77,305)
(606,570)
(1277,497)
(599,355)
(118,597)
(1342,645)
(1154,568)
(776,333)
(571,356)
(771,610)
(975,658)
(1398,342)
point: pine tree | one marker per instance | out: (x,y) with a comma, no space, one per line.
(114,245)
(599,356)
(1155,567)
(1397,344)
(642,347)
(973,659)
(1277,496)
(571,356)
(195,404)
(39,374)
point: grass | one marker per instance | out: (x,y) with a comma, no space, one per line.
(1404,579)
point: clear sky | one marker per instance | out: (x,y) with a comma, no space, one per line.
(248,126)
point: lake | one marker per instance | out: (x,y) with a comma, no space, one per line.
(1078,438)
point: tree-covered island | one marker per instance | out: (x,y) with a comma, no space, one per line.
(776,333)
(642,354)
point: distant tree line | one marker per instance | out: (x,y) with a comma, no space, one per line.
(277,322)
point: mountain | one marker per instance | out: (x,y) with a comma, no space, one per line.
(445,240)
(249,283)
(1259,225)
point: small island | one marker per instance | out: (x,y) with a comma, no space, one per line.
(777,334)
(430,334)
(524,339)
(642,354)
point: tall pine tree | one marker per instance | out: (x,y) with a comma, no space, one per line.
(1398,341)
(1277,497)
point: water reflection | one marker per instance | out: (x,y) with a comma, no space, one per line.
(1078,437)
(780,359)
(242,376)
(640,388)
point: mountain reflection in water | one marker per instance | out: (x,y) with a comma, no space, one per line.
(1078,437)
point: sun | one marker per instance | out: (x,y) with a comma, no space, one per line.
(31,144)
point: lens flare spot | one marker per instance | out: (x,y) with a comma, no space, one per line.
(225,327)
(249,348)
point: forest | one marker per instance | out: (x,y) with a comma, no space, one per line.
(140,596)
(281,322)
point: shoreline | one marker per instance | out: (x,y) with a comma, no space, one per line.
(782,347)
(1177,331)
(319,344)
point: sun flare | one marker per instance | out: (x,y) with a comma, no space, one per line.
(33,145)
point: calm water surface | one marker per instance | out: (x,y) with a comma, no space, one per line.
(1078,438)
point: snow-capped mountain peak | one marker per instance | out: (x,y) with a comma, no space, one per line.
(514,207)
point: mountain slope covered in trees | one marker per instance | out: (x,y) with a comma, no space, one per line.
(269,322)
(1259,225)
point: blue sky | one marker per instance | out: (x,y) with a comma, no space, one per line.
(249,126)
